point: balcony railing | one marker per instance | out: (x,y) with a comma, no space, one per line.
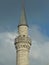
(20,39)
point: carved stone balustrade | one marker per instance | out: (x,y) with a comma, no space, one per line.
(20,39)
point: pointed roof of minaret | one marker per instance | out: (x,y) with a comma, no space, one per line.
(23,20)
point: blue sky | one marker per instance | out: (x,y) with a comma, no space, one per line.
(37,13)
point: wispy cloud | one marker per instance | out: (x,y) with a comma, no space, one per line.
(7,49)
(40,46)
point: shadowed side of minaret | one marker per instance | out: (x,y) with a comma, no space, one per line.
(22,42)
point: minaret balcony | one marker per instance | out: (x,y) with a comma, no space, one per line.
(20,39)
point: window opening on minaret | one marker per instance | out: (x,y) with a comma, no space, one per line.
(23,35)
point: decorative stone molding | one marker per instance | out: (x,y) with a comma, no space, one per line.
(20,39)
(22,46)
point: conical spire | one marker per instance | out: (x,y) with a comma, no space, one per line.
(23,20)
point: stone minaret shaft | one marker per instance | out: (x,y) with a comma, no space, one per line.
(22,42)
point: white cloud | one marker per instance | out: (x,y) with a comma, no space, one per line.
(39,52)
(40,46)
(7,48)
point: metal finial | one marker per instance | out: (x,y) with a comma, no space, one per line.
(22,4)
(23,20)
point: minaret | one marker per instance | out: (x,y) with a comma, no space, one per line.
(22,42)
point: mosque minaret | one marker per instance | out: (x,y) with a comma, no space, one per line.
(23,41)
